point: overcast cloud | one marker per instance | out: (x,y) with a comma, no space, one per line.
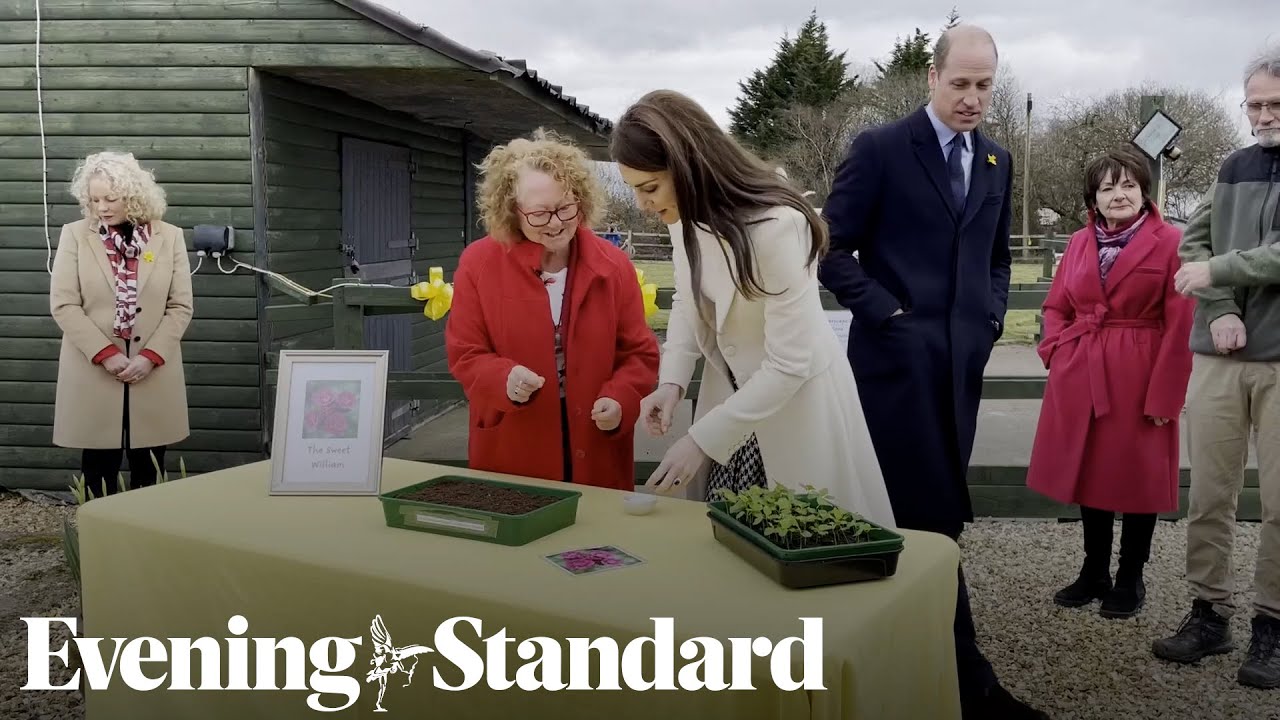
(608,53)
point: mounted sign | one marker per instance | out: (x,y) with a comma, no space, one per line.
(1157,135)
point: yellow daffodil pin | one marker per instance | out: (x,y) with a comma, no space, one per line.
(991,159)
(148,256)
(437,293)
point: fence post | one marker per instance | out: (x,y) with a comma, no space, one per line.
(1046,267)
(348,322)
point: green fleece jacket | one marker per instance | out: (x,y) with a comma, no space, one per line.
(1237,229)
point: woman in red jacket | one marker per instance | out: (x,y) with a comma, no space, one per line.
(1115,345)
(547,332)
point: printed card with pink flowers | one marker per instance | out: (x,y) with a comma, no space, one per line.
(332,410)
(593,560)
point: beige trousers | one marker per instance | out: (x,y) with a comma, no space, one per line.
(1226,400)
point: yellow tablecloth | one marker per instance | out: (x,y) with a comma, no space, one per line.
(180,559)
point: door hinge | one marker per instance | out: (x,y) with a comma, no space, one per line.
(413,168)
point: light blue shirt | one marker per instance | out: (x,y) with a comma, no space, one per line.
(945,134)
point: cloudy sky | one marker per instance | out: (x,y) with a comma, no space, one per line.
(608,53)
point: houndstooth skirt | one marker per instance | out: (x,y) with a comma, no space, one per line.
(745,468)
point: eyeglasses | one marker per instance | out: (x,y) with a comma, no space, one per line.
(1255,108)
(538,218)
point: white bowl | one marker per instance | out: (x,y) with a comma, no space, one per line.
(638,504)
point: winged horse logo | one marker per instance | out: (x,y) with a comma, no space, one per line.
(389,659)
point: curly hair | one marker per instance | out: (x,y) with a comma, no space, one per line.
(546,152)
(144,199)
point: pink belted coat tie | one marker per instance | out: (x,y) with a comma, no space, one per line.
(1117,357)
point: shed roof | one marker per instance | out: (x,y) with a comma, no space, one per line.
(455,98)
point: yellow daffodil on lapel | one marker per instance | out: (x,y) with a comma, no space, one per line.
(436,292)
(991,159)
(649,292)
(148,256)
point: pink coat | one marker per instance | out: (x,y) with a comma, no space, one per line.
(1115,358)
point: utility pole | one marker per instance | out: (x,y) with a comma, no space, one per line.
(1026,179)
(1151,103)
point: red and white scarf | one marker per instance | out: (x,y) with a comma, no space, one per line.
(123,253)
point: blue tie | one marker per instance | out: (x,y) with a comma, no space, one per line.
(955,170)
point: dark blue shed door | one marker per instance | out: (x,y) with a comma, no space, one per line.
(377,213)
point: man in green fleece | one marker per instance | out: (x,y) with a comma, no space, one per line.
(1231,251)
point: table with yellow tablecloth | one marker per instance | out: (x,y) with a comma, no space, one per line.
(179,559)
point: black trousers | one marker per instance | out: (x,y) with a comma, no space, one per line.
(1136,531)
(102,465)
(974,671)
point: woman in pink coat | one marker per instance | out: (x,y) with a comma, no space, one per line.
(1115,344)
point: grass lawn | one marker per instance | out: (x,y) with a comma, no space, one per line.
(1020,325)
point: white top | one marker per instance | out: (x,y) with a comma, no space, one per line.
(555,284)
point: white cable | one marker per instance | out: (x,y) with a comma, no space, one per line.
(199,260)
(44,160)
(299,288)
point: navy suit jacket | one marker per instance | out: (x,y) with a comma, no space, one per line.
(891,203)
(949,273)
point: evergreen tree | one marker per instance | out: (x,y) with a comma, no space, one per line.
(911,56)
(953,19)
(804,71)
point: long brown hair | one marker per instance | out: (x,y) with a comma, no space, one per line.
(717,182)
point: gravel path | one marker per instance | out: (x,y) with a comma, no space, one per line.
(1072,663)
(34,582)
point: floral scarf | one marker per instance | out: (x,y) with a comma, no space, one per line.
(1111,242)
(124,244)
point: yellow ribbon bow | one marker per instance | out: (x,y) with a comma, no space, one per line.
(649,292)
(436,292)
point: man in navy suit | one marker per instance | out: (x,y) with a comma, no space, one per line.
(926,204)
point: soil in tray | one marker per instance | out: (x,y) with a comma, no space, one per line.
(479,496)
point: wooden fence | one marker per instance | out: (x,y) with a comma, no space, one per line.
(997,491)
(657,246)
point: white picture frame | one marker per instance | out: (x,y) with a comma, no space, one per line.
(328,428)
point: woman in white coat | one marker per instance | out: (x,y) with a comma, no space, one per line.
(778,401)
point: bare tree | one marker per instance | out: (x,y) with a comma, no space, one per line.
(821,137)
(1005,123)
(620,203)
(1080,129)
(896,96)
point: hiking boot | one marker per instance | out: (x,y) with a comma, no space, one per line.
(1126,598)
(1262,667)
(1203,632)
(1087,588)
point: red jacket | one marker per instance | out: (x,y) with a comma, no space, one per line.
(501,318)
(1115,357)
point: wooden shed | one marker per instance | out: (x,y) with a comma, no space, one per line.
(328,133)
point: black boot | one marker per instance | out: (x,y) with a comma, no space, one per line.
(1202,633)
(1092,584)
(1262,668)
(1129,593)
(998,703)
(1094,581)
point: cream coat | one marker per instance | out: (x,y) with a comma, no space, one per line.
(82,298)
(796,387)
